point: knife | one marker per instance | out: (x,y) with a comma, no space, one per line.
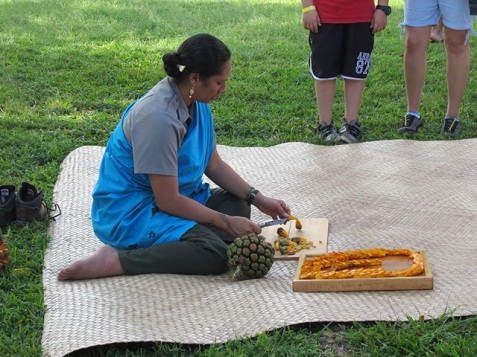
(272,223)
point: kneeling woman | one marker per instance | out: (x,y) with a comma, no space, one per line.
(151,207)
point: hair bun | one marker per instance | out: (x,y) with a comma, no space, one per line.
(171,64)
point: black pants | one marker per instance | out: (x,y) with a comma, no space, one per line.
(202,250)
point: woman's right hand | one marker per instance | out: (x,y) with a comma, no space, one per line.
(238,226)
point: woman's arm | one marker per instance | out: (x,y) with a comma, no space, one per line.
(169,200)
(226,177)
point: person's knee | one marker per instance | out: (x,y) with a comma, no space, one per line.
(212,261)
(217,266)
(244,209)
(415,44)
(211,255)
(417,39)
(456,47)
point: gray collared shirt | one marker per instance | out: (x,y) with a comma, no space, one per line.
(156,127)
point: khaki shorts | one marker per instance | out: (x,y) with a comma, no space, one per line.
(455,13)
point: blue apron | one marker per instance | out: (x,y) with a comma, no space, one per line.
(124,212)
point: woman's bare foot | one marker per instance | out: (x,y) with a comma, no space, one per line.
(103,263)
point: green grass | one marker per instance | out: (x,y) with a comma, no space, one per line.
(69,68)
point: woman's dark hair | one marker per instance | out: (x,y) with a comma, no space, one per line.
(202,53)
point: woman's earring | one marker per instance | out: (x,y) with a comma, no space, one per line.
(191,92)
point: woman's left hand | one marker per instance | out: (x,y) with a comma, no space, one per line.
(271,206)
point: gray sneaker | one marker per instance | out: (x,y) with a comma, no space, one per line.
(410,125)
(30,205)
(451,127)
(350,132)
(327,131)
(7,205)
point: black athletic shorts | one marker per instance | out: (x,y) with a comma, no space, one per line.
(341,50)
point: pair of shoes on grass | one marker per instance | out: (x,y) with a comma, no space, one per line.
(412,123)
(349,133)
(23,207)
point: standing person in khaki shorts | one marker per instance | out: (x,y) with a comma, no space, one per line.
(341,41)
(419,18)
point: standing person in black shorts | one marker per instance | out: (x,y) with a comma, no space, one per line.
(341,41)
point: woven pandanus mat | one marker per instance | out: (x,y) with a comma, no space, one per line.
(402,193)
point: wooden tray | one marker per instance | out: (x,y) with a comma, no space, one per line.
(423,281)
(314,229)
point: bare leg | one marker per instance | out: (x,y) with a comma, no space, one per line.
(458,66)
(102,264)
(325,94)
(353,90)
(417,40)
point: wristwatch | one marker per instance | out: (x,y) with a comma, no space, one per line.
(251,194)
(384,8)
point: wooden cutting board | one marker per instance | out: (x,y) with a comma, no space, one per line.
(314,229)
(424,281)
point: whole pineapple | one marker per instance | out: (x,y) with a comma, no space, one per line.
(251,256)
